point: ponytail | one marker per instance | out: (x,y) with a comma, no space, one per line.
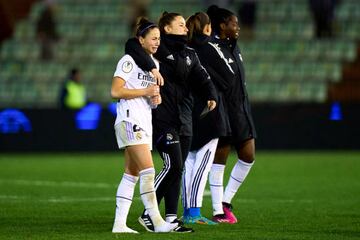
(196,24)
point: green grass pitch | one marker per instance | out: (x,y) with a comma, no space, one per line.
(287,195)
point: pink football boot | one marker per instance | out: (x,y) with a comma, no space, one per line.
(229,215)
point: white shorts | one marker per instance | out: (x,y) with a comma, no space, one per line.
(128,134)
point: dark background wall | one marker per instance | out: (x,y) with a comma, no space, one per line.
(279,126)
(11,12)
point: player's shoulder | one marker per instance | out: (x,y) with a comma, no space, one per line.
(127,58)
(189,48)
(127,63)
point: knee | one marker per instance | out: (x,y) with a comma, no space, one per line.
(176,171)
(248,158)
(222,154)
(246,151)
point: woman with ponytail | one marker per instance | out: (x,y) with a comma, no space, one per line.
(207,128)
(137,92)
(172,120)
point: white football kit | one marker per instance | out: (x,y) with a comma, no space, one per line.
(133,122)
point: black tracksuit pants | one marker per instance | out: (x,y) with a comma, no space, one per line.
(173,149)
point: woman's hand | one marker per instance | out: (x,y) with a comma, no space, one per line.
(156,100)
(152,91)
(157,76)
(211,104)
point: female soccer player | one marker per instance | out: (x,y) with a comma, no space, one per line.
(137,92)
(226,32)
(173,118)
(207,128)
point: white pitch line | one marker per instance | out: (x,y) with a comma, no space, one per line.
(57,200)
(12,198)
(56,184)
(70,200)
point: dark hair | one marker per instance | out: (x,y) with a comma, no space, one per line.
(73,72)
(166,19)
(196,24)
(143,26)
(217,16)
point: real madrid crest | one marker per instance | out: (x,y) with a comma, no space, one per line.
(169,136)
(188,61)
(138,136)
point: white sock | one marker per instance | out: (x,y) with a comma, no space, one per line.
(124,196)
(216,187)
(170,218)
(148,197)
(237,177)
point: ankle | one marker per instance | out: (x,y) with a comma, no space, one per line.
(193,212)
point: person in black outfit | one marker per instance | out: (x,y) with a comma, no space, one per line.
(172,119)
(46,31)
(323,14)
(226,32)
(207,128)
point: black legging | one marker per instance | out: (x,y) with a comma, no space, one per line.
(173,149)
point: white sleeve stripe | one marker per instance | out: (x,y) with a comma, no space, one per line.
(221,54)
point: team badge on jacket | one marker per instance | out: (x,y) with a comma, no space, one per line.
(171,57)
(188,61)
(127,67)
(169,136)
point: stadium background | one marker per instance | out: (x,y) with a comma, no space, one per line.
(304,91)
(305,95)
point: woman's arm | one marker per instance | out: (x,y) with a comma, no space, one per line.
(202,83)
(118,91)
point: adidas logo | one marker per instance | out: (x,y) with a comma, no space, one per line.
(171,57)
(147,222)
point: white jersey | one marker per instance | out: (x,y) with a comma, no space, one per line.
(137,110)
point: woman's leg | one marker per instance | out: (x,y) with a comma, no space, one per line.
(217,174)
(141,156)
(186,181)
(124,196)
(171,196)
(246,157)
(203,161)
(170,176)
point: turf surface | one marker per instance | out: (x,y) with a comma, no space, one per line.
(287,195)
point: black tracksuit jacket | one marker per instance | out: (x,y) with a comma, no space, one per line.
(216,123)
(236,96)
(183,74)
